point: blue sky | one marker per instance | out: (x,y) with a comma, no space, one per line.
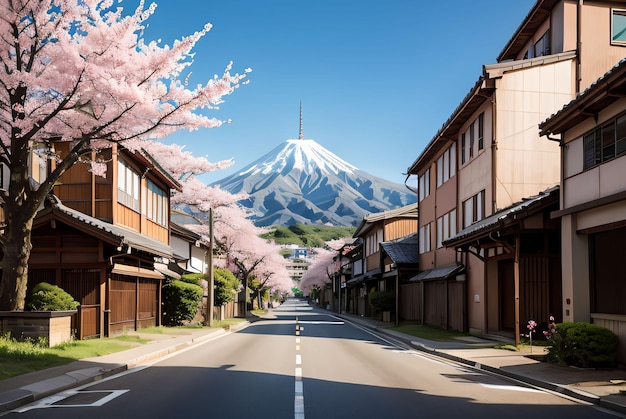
(376,79)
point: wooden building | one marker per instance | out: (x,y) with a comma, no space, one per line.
(107,241)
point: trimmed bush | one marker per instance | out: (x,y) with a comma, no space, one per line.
(180,302)
(583,345)
(226,286)
(382,301)
(48,297)
(193,278)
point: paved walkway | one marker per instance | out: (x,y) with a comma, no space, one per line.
(603,387)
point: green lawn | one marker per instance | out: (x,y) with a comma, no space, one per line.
(427,332)
(23,357)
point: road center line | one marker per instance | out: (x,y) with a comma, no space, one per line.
(299,391)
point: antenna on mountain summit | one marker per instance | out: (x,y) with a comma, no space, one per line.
(301,137)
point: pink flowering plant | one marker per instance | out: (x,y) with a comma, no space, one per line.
(531,326)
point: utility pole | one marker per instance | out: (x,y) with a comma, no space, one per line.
(211,280)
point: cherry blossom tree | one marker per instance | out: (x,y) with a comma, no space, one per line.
(272,275)
(81,72)
(235,236)
(325,265)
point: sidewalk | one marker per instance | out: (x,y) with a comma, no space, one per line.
(606,388)
(603,387)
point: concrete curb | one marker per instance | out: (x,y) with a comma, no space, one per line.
(36,391)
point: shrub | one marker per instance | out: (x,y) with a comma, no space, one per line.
(226,286)
(382,301)
(583,345)
(193,278)
(48,297)
(180,302)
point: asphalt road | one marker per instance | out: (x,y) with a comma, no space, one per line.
(305,363)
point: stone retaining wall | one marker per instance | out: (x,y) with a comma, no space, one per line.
(54,326)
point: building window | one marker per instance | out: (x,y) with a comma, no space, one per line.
(476,133)
(481,131)
(618,26)
(157,204)
(372,241)
(542,46)
(446,165)
(474,209)
(127,186)
(463,148)
(471,139)
(446,227)
(424,238)
(605,142)
(424,185)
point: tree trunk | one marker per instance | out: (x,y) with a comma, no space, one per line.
(15,274)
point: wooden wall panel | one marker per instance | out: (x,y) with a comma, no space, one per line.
(395,229)
(157,232)
(410,307)
(534,289)
(147,298)
(456,306)
(127,217)
(373,261)
(435,312)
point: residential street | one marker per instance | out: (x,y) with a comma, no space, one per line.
(304,363)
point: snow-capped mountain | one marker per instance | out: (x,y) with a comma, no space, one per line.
(302,182)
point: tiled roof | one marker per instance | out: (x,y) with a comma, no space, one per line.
(438,273)
(408,211)
(612,79)
(126,236)
(501,216)
(403,250)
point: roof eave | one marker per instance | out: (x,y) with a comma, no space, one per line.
(529,26)
(606,90)
(481,91)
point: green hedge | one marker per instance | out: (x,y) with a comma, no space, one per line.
(180,302)
(381,300)
(583,345)
(226,286)
(48,297)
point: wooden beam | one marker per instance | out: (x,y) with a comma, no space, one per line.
(516,286)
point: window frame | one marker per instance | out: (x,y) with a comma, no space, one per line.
(446,165)
(481,131)
(542,46)
(157,204)
(446,227)
(597,148)
(128,186)
(473,209)
(424,239)
(424,185)
(614,13)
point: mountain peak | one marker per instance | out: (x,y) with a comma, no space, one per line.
(303,182)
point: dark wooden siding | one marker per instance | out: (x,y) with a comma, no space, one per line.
(456,306)
(123,303)
(84,286)
(133,302)
(435,311)
(410,308)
